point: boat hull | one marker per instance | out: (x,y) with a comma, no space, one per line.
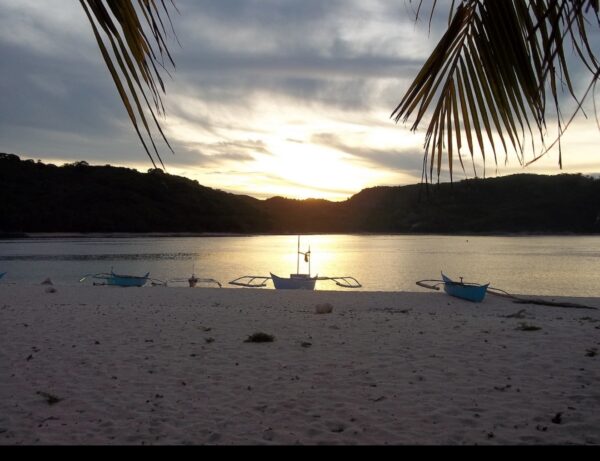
(295,282)
(126,280)
(470,292)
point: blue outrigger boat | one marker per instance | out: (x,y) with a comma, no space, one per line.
(119,280)
(470,291)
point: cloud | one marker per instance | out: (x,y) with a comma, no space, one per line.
(215,154)
(255,80)
(406,161)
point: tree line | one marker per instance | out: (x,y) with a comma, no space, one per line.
(77,197)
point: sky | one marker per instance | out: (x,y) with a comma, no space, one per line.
(269,97)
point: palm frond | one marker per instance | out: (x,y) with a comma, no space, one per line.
(492,73)
(133,58)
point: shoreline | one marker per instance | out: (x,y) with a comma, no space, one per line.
(83,235)
(170,366)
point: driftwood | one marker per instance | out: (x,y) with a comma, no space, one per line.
(552,303)
(540,302)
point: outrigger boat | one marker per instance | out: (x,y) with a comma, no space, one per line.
(295,281)
(470,291)
(192,281)
(119,280)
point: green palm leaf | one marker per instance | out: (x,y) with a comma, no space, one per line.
(491,74)
(134,57)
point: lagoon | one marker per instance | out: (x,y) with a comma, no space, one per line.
(538,265)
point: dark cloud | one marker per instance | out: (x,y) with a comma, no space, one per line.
(215,154)
(330,57)
(406,161)
(232,50)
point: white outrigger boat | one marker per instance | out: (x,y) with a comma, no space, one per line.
(295,281)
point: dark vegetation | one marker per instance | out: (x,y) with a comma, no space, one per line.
(38,197)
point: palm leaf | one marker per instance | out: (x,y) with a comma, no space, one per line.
(492,73)
(133,58)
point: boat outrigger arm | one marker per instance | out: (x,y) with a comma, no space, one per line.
(191,281)
(345,282)
(260,281)
(252,281)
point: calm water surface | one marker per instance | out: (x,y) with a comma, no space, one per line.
(568,266)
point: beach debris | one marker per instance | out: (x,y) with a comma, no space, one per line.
(305,344)
(591,352)
(542,302)
(325,308)
(557,418)
(50,290)
(337,427)
(209,340)
(268,434)
(50,399)
(502,388)
(260,337)
(526,327)
(517,315)
(47,282)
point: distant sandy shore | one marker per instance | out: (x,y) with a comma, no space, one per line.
(100,365)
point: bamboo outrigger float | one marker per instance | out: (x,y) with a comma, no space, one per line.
(295,281)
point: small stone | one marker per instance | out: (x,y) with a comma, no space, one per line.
(325,308)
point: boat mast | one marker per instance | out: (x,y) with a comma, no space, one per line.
(298,257)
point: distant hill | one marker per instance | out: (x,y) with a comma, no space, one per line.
(38,197)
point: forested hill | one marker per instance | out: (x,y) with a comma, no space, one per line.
(38,197)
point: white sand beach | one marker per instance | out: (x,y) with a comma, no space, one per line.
(99,365)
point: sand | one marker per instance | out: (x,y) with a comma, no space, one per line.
(104,365)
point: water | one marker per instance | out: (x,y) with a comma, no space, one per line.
(567,266)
